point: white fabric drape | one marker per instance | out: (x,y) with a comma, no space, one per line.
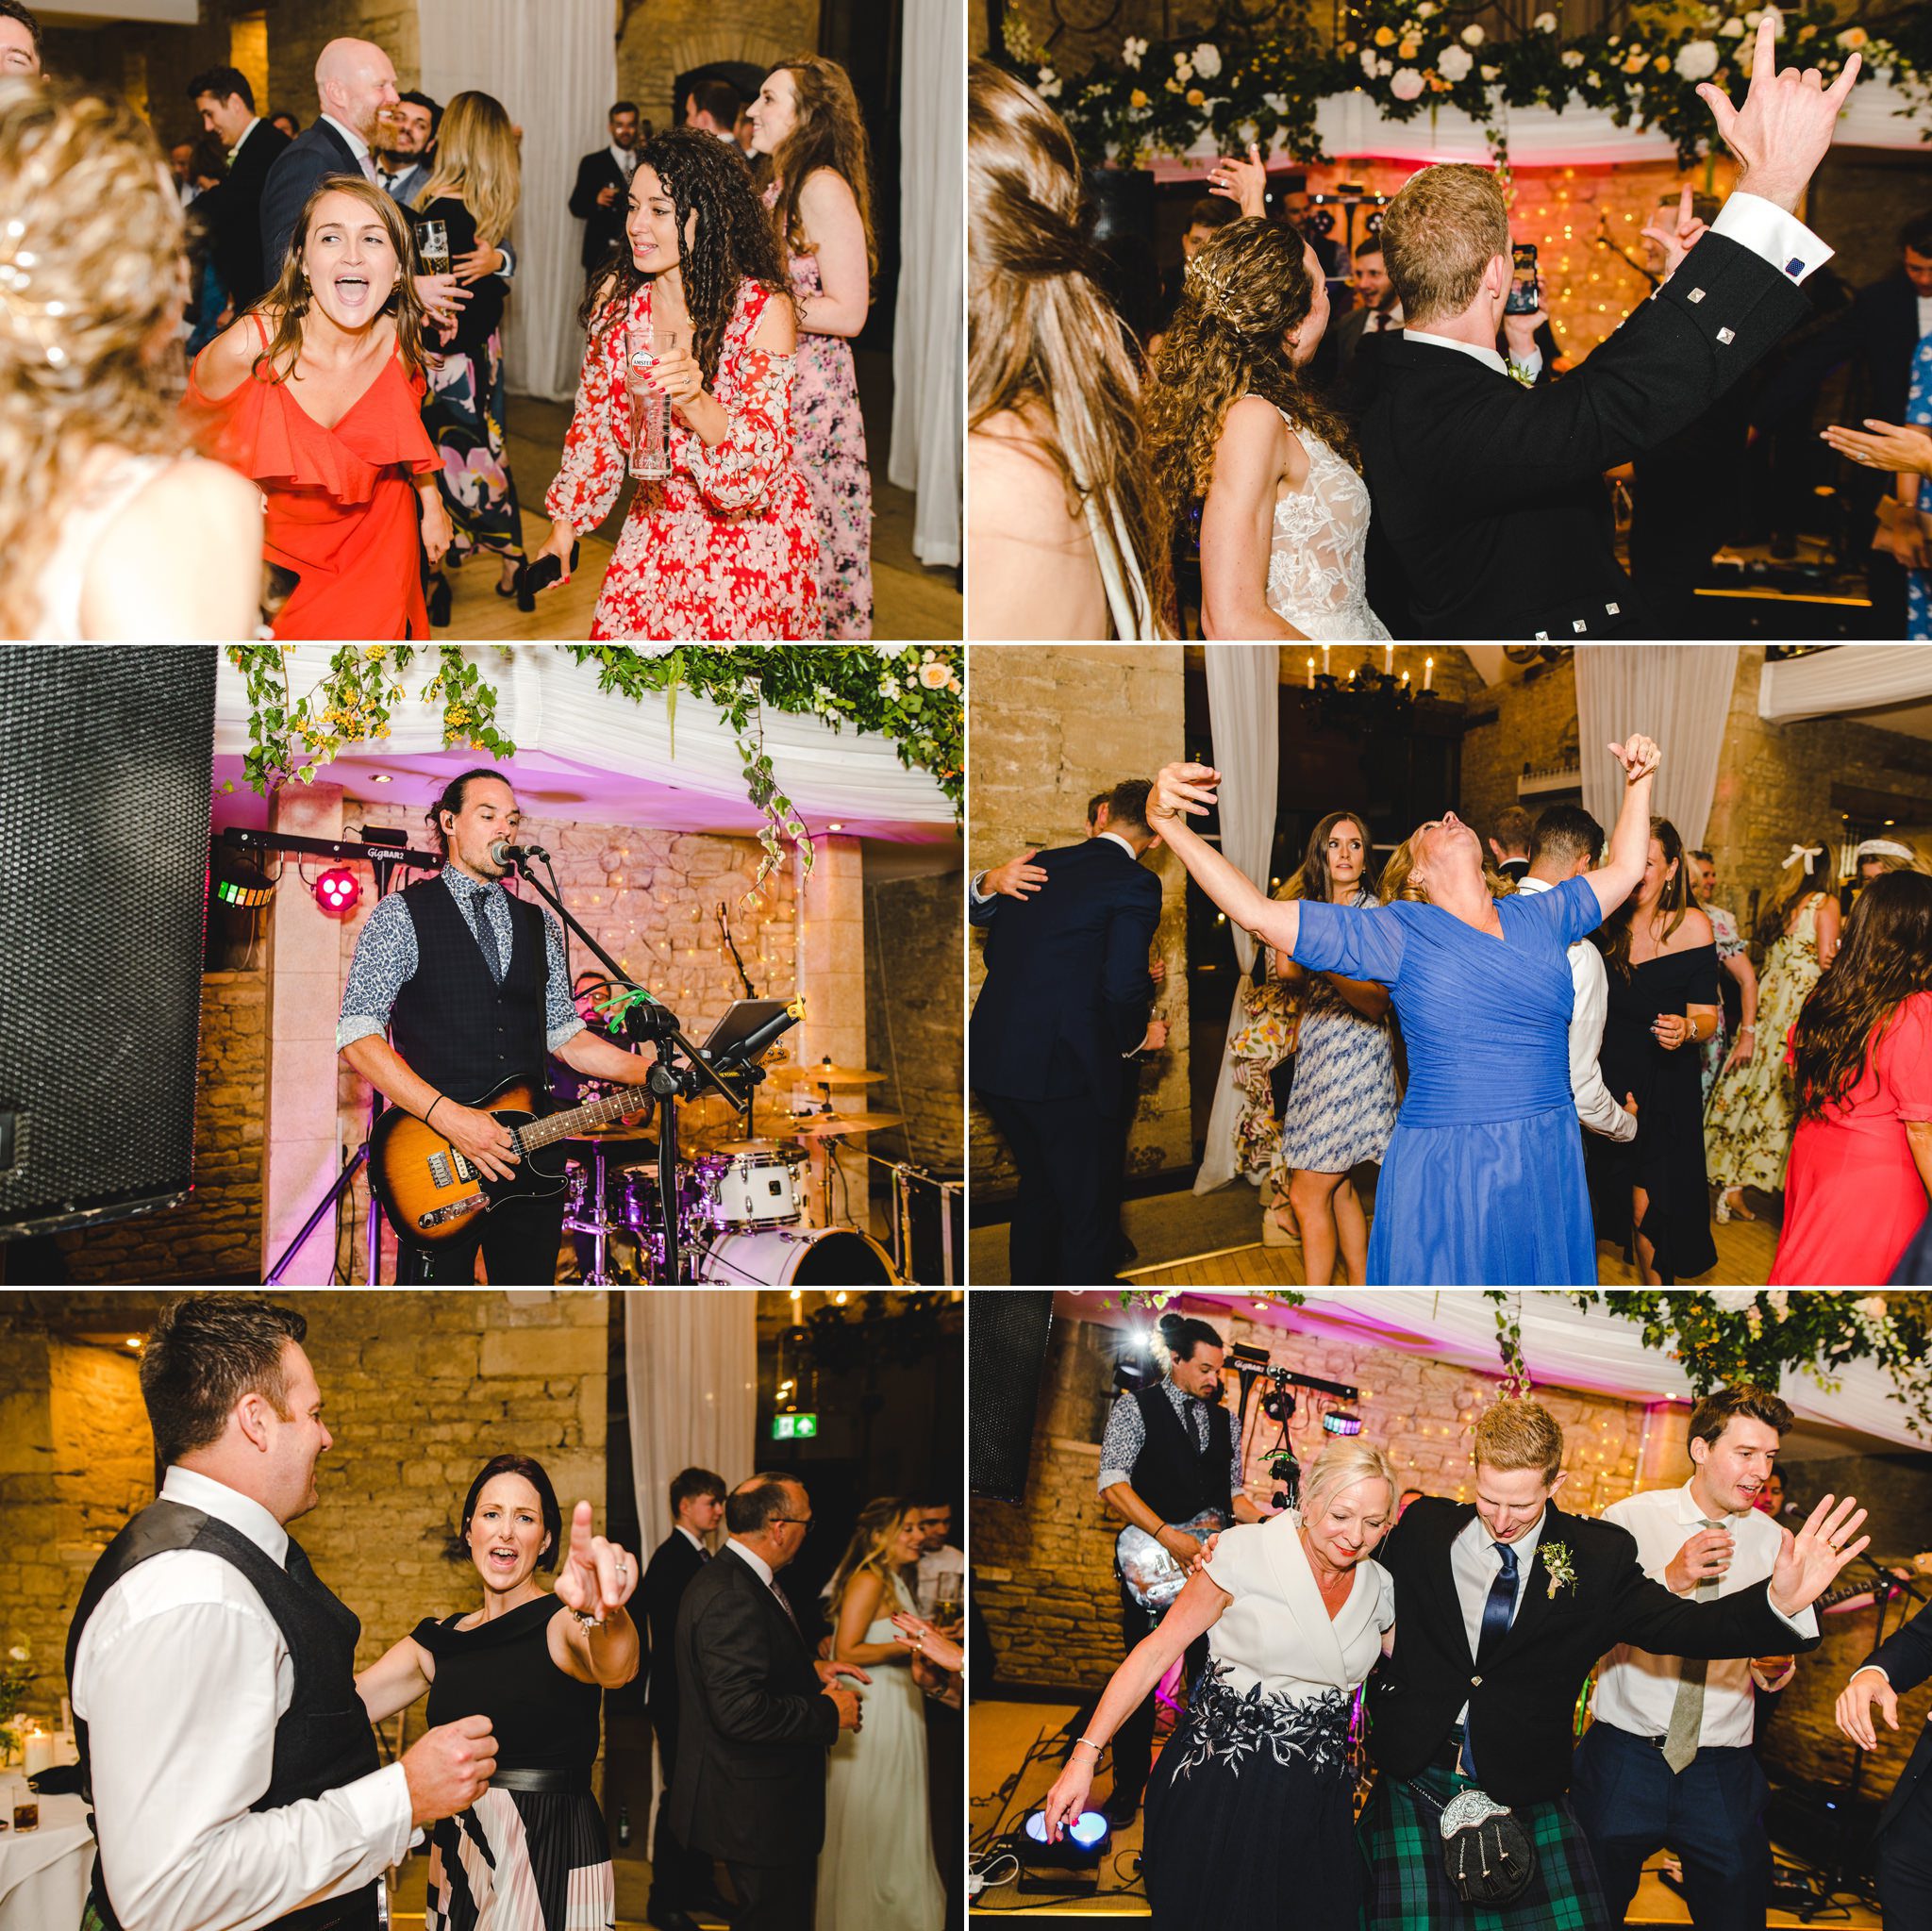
(553,64)
(1242,713)
(1850,677)
(1678,693)
(928,421)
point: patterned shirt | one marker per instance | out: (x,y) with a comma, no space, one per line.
(1127,1434)
(385,961)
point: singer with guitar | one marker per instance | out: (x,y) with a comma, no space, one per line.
(1168,1458)
(475,985)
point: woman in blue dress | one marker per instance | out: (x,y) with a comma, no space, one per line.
(1483,1183)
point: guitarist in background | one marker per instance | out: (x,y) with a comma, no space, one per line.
(474,983)
(1169,1456)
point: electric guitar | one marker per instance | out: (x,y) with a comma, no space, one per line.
(1148,1573)
(430,1190)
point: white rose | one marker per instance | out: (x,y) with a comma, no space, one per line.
(1384,68)
(1871,1307)
(1454,63)
(1732,29)
(1572,57)
(1696,60)
(1183,68)
(1473,36)
(1426,9)
(1132,52)
(1207,60)
(1408,84)
(1370,63)
(1780,1301)
(19,1653)
(1048,85)
(1545,23)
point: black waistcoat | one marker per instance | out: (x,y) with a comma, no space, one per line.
(454,1024)
(1174,1477)
(323,1741)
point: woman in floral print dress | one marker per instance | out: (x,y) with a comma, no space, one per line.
(811,141)
(725,547)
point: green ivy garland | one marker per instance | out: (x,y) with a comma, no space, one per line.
(910,694)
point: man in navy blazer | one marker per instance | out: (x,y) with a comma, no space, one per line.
(1066,999)
(1904,1834)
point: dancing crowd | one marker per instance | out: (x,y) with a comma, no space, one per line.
(1247,457)
(223,1672)
(339,444)
(1619,1070)
(1470,1630)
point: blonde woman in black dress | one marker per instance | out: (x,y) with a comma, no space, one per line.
(532,1854)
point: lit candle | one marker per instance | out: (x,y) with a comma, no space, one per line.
(1388,660)
(1324,661)
(1405,681)
(1311,673)
(1428,674)
(39,1752)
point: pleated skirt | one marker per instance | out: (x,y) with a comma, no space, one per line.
(522,1860)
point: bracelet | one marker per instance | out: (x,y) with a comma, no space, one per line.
(1743,1030)
(1096,1748)
(433,1105)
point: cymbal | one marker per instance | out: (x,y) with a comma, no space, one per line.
(617,1132)
(830,1125)
(819,1075)
(733,1148)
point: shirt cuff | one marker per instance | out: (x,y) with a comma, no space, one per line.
(979,897)
(560,1036)
(1108,1477)
(359,1027)
(380,1803)
(1772,235)
(1805,1622)
(1877,1669)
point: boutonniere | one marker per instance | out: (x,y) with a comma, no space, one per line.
(1557,1566)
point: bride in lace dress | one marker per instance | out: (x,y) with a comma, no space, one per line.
(1284,512)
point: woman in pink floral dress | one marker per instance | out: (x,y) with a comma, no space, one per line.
(725,548)
(811,148)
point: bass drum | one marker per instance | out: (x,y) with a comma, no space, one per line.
(796,1258)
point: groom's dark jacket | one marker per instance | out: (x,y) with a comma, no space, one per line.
(1522,1701)
(1492,497)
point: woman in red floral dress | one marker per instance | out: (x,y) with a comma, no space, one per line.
(725,547)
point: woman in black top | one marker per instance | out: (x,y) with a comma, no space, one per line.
(531,1854)
(474,190)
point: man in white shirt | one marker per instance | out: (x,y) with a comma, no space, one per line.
(1668,1761)
(1565,844)
(230,1765)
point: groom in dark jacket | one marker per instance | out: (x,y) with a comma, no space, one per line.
(1065,1000)
(1502,1608)
(756,1714)
(1489,492)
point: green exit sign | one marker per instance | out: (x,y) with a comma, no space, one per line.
(793,1428)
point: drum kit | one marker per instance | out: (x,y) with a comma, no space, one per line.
(742,1203)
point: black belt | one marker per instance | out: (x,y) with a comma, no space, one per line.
(578,1782)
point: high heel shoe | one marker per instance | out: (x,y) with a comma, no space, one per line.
(1274,1234)
(440,597)
(1726,1214)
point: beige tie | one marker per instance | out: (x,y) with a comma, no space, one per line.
(1687,1713)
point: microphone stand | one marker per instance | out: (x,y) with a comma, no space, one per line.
(667,1080)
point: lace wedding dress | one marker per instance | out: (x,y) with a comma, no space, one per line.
(1315,553)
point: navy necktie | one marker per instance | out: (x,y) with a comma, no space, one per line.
(1499,1606)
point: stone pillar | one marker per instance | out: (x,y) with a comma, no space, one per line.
(831,953)
(301,1156)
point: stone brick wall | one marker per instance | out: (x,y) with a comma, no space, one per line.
(650,899)
(1530,720)
(915,1019)
(1044,1566)
(420,1389)
(217,1233)
(672,37)
(1052,726)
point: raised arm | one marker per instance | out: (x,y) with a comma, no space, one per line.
(1187,791)
(1618,876)
(396,1679)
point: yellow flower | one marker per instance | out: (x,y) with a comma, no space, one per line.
(1662,63)
(1634,64)
(1805,32)
(1195,97)
(372,651)
(1136,99)
(1385,37)
(1853,38)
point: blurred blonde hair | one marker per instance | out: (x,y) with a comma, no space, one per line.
(1520,1435)
(93,276)
(478,163)
(1398,878)
(1341,1465)
(873,1535)
(1445,226)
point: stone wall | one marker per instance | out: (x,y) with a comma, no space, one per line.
(420,1388)
(1044,1566)
(651,900)
(217,1233)
(667,38)
(1529,721)
(1051,725)
(915,1020)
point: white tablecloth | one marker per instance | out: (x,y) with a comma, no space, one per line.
(44,1872)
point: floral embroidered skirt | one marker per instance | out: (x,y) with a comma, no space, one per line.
(463,414)
(1250,1817)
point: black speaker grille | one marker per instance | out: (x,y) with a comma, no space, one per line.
(1006,1335)
(107,759)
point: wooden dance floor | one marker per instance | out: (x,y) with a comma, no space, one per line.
(1003,1733)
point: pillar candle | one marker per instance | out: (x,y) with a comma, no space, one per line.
(1428,674)
(39,1752)
(1311,673)
(1388,660)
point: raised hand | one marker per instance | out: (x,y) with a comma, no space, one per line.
(1677,234)
(596,1576)
(1808,1563)
(1781,132)
(1244,183)
(1183,788)
(1903,446)
(1638,757)
(1017,878)
(1854,1701)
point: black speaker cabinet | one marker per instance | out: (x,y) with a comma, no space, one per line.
(1006,1335)
(107,755)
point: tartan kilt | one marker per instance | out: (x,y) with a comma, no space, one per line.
(1407,1886)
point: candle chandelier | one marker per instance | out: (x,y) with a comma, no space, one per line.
(1375,694)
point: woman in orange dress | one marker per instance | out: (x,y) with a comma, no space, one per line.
(316,394)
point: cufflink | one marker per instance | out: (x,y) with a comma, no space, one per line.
(1795,267)
(1695,295)
(1726,336)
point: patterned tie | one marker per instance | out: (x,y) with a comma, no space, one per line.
(1499,1610)
(1687,1713)
(486,937)
(1196,1412)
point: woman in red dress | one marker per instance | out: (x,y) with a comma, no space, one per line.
(1862,1057)
(316,394)
(724,547)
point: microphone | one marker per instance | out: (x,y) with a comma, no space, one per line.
(505,853)
(1792,1508)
